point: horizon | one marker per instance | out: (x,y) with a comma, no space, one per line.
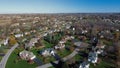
(59,6)
(66,13)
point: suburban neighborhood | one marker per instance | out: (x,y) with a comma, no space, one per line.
(59,33)
(60,41)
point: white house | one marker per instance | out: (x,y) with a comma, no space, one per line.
(93,57)
(4,42)
(26,55)
(18,35)
(100,49)
(60,46)
(48,52)
(84,65)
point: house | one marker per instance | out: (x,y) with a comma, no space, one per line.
(77,43)
(106,34)
(48,52)
(61,43)
(27,33)
(18,35)
(60,46)
(94,41)
(80,44)
(69,37)
(45,34)
(31,43)
(84,31)
(26,55)
(84,65)
(17,30)
(4,42)
(93,57)
(100,49)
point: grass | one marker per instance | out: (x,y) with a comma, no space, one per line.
(51,67)
(3,50)
(24,64)
(43,59)
(102,64)
(87,41)
(6,50)
(77,57)
(47,45)
(68,43)
(20,64)
(62,53)
(0,58)
(110,43)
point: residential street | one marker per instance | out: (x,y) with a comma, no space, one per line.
(64,59)
(5,58)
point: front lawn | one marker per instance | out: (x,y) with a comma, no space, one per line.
(11,63)
(62,53)
(110,43)
(47,44)
(43,59)
(0,58)
(102,64)
(51,67)
(78,57)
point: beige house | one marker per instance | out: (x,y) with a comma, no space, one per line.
(26,55)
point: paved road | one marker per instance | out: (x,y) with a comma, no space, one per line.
(46,65)
(64,59)
(70,56)
(5,58)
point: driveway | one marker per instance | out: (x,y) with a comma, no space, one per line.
(5,58)
(64,59)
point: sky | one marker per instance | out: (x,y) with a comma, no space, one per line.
(59,6)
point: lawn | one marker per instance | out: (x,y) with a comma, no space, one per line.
(62,53)
(47,44)
(77,57)
(51,67)
(102,64)
(110,43)
(20,64)
(68,43)
(0,58)
(43,59)
(24,64)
